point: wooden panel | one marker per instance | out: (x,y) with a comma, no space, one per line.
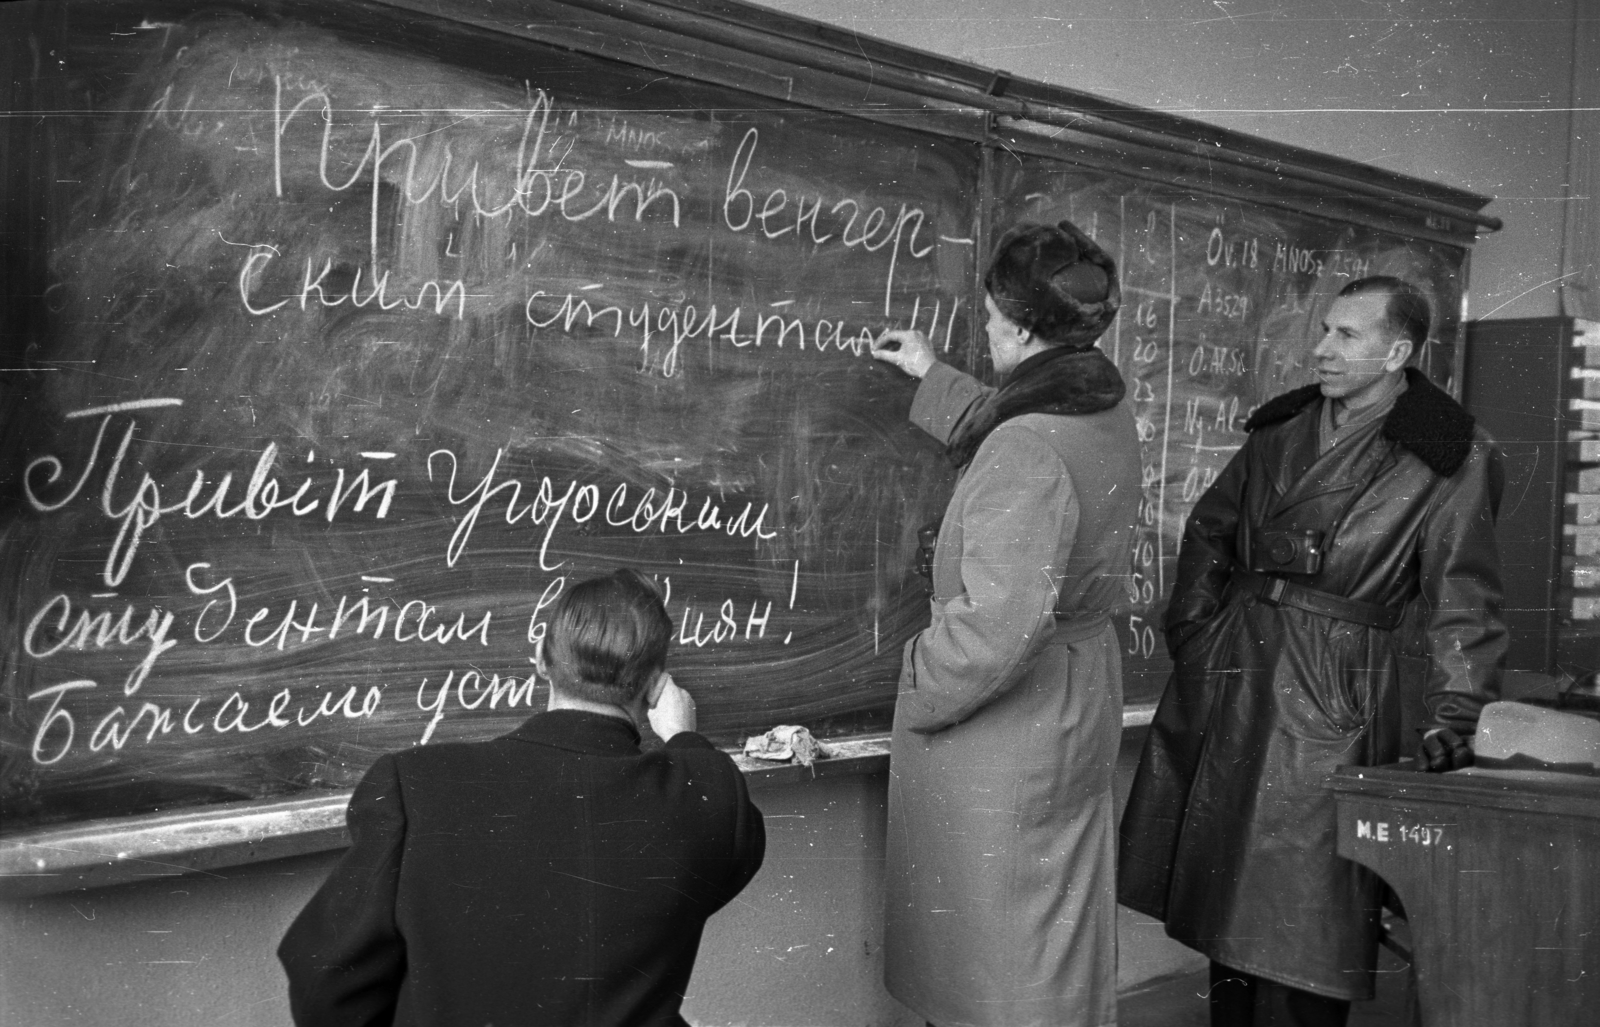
(1514,387)
(1500,877)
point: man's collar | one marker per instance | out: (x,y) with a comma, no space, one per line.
(580,731)
(1382,398)
(1424,420)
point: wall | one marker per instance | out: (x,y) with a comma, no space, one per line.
(1581,240)
(802,945)
(1472,93)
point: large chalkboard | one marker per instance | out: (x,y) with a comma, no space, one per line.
(337,342)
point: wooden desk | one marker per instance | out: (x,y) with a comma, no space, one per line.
(1500,876)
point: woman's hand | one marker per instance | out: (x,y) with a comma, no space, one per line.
(905,348)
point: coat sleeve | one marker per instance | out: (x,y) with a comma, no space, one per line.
(1021,511)
(1206,556)
(944,399)
(747,833)
(343,954)
(1459,571)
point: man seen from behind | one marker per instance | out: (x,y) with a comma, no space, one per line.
(556,875)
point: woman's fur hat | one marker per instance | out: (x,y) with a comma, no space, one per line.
(1054,281)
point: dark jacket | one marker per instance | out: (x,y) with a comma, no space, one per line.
(553,876)
(1228,835)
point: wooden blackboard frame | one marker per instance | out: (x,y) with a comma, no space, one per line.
(128,850)
(773,56)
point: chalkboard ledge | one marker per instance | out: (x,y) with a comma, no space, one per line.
(127,850)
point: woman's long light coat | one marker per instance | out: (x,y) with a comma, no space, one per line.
(1000,904)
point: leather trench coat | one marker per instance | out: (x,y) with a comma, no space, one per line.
(1228,835)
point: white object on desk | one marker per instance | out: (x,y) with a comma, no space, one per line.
(1507,730)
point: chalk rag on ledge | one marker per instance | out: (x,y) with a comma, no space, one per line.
(786,743)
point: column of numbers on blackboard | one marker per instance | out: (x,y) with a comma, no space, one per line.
(1143,349)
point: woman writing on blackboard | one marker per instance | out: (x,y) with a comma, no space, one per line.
(1000,901)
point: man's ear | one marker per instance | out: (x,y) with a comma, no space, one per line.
(1399,354)
(541,665)
(658,683)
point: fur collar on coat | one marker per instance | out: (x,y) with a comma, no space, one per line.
(1062,380)
(1425,420)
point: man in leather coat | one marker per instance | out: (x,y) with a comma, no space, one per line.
(1350,500)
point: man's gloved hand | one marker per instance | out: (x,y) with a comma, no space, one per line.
(1442,749)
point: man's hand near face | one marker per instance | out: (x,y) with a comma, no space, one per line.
(671,710)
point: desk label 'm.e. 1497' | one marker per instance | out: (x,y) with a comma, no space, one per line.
(1411,834)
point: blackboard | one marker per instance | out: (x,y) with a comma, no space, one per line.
(340,340)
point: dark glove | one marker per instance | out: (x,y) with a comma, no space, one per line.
(1441,750)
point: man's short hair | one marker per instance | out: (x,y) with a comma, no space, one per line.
(1407,315)
(608,637)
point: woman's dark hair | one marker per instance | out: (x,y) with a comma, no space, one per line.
(608,637)
(1054,281)
(1407,314)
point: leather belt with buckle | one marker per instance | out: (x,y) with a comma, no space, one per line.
(1276,591)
